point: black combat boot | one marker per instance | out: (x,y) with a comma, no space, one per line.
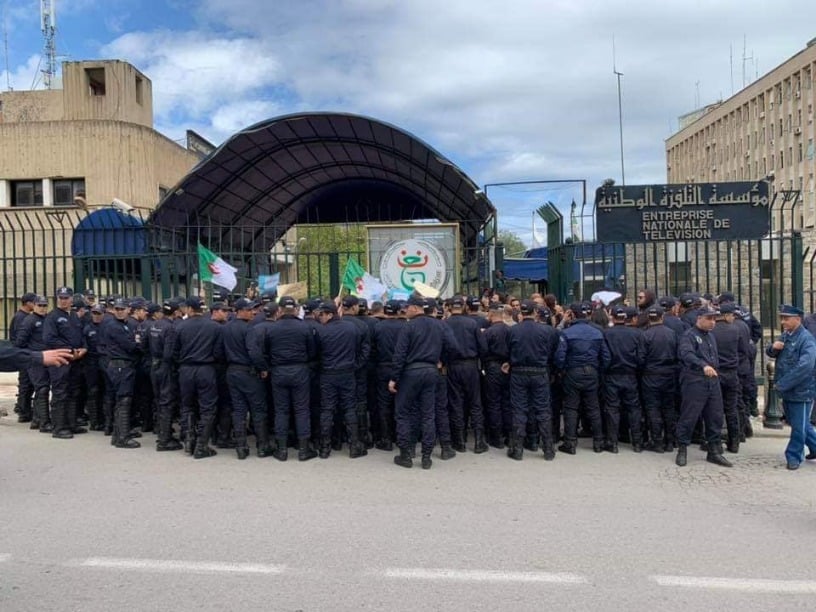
(447,451)
(611,446)
(530,442)
(261,424)
(749,429)
(239,443)
(305,450)
(598,446)
(715,455)
(24,409)
(682,455)
(95,420)
(568,446)
(202,447)
(325,447)
(733,444)
(479,445)
(364,426)
(121,439)
(107,409)
(494,439)
(60,420)
(459,441)
(71,417)
(41,410)
(281,453)
(515,450)
(404,459)
(384,444)
(549,450)
(356,447)
(426,461)
(190,435)
(166,441)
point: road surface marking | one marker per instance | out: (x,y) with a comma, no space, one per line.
(162,565)
(419,573)
(755,585)
(4,557)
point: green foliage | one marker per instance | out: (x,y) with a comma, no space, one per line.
(513,245)
(322,253)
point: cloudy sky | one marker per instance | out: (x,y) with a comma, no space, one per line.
(512,90)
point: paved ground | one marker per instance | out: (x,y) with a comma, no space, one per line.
(89,527)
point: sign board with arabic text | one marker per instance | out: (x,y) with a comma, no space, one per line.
(679,213)
(403,254)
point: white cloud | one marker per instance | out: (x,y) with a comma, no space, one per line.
(24,76)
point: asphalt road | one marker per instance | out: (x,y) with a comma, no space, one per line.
(84,526)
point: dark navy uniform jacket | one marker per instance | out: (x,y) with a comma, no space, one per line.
(626,349)
(197,341)
(676,324)
(91,334)
(290,341)
(338,343)
(236,349)
(62,329)
(13,358)
(470,342)
(385,338)
(120,339)
(420,342)
(16,322)
(495,338)
(364,347)
(733,345)
(580,345)
(156,336)
(531,345)
(30,335)
(660,350)
(697,349)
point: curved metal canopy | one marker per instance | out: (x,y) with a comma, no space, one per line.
(322,168)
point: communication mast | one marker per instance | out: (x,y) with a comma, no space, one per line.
(48,23)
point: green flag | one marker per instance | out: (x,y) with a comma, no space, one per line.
(353,276)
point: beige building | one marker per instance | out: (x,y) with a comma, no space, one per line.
(63,150)
(93,138)
(765,131)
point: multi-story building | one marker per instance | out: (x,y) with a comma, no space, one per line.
(65,152)
(764,131)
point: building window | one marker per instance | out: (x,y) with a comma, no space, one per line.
(680,276)
(96,81)
(26,193)
(65,190)
(139,90)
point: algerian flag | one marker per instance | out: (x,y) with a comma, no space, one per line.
(353,277)
(213,269)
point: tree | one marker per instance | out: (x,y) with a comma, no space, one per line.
(513,245)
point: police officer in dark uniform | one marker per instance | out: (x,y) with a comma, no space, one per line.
(689,303)
(62,330)
(531,351)
(339,343)
(464,386)
(620,389)
(748,376)
(289,348)
(94,379)
(700,388)
(309,317)
(143,402)
(124,350)
(582,355)
(197,346)
(221,313)
(416,359)
(25,390)
(658,383)
(669,305)
(351,309)
(733,349)
(442,414)
(474,311)
(30,336)
(384,337)
(245,374)
(162,376)
(497,382)
(256,341)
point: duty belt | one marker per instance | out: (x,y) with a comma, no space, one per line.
(419,365)
(469,360)
(528,370)
(241,366)
(120,362)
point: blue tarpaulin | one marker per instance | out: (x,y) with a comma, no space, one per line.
(108,232)
(526,268)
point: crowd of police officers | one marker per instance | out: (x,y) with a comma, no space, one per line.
(517,374)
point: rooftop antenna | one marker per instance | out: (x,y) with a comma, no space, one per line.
(745,58)
(5,45)
(731,63)
(697,94)
(48,23)
(618,75)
